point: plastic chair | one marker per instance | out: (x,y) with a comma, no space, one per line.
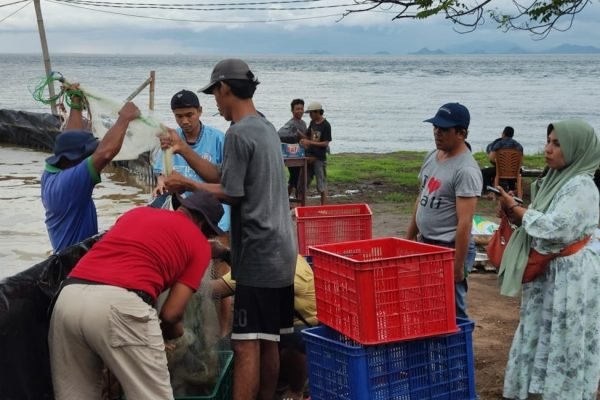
(508,167)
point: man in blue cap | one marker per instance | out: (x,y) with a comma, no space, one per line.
(450,185)
(72,173)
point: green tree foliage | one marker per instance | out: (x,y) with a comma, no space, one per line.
(539,17)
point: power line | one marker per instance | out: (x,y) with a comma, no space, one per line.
(254,3)
(14,2)
(196,20)
(198,8)
(13,13)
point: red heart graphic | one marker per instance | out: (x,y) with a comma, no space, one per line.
(433,184)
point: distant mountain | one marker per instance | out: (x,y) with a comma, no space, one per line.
(425,51)
(502,47)
(382,53)
(483,47)
(572,49)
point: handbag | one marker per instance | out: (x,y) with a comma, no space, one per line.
(497,244)
(538,262)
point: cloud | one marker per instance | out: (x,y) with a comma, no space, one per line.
(78,30)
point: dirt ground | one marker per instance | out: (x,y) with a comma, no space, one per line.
(496,317)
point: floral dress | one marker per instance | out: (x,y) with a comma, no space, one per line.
(556,349)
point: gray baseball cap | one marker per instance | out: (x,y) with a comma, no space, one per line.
(231,68)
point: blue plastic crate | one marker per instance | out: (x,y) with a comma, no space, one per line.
(439,367)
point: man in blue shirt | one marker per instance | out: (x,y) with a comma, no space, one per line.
(505,141)
(196,137)
(72,173)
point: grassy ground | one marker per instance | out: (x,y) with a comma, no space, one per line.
(393,175)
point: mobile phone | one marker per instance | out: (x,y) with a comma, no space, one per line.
(494,190)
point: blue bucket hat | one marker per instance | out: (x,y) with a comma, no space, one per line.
(73,145)
(451,115)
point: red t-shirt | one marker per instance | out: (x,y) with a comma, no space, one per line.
(148,249)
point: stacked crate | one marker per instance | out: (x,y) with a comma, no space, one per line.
(391,330)
(331,224)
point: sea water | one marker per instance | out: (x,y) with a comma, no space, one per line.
(374,104)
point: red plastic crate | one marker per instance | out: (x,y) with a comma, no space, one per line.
(385,290)
(332,224)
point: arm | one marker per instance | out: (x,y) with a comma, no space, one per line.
(220,288)
(171,314)
(113,140)
(75,121)
(413,230)
(204,168)
(179,183)
(465,209)
(492,157)
(308,142)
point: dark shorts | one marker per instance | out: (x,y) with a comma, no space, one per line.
(262,313)
(294,175)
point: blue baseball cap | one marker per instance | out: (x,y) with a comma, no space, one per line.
(73,145)
(451,115)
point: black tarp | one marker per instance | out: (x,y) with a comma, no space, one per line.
(24,301)
(23,128)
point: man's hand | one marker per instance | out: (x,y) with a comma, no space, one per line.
(172,139)
(129,112)
(176,183)
(160,188)
(459,272)
(300,134)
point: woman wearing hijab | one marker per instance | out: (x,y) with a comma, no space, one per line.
(555,354)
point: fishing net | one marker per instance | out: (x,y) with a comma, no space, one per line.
(103,112)
(194,362)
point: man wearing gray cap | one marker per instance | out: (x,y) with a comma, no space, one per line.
(450,185)
(263,250)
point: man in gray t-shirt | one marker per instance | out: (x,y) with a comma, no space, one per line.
(450,184)
(263,249)
(291,132)
(261,231)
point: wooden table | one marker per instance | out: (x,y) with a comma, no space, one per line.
(301,188)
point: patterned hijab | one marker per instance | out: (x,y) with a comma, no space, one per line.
(581,149)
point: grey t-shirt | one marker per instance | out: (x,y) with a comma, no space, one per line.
(288,132)
(263,247)
(441,184)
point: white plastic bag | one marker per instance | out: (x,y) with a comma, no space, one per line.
(142,133)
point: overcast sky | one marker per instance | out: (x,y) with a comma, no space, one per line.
(90,30)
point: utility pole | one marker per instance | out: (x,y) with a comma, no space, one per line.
(42,31)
